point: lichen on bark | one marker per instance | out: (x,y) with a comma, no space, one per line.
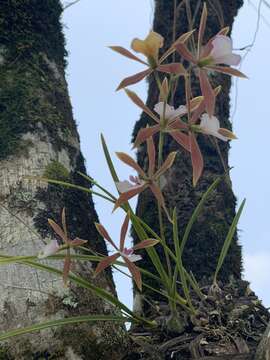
(38,137)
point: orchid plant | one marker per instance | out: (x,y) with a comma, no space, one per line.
(196,117)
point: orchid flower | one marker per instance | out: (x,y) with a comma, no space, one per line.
(208,125)
(221,52)
(218,50)
(53,246)
(211,126)
(149,47)
(126,253)
(172,124)
(145,180)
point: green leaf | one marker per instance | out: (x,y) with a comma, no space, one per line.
(109,160)
(152,253)
(61,322)
(94,182)
(228,239)
(79,281)
(179,263)
(197,212)
(69,185)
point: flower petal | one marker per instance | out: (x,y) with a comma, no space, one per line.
(196,159)
(103,232)
(130,162)
(222,46)
(181,138)
(159,196)
(145,244)
(107,261)
(232,59)
(134,257)
(124,186)
(166,165)
(182,39)
(209,125)
(227,70)
(127,53)
(227,133)
(58,230)
(208,92)
(77,242)
(173,68)
(149,46)
(145,133)
(185,53)
(124,197)
(151,152)
(170,111)
(222,51)
(201,29)
(123,232)
(133,79)
(135,272)
(137,101)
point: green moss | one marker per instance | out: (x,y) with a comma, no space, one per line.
(4,355)
(30,26)
(33,93)
(56,171)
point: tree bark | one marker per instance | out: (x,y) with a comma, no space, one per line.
(263,351)
(209,231)
(38,137)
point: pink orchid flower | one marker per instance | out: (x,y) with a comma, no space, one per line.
(127,254)
(53,246)
(221,52)
(218,50)
(146,180)
(172,124)
(124,186)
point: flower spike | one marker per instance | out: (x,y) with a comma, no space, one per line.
(53,246)
(126,253)
(136,185)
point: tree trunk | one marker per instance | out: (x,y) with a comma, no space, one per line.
(209,231)
(38,137)
(263,351)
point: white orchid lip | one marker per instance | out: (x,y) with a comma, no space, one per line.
(211,126)
(128,254)
(50,249)
(170,111)
(124,186)
(221,52)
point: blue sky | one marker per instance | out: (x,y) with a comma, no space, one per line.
(93,73)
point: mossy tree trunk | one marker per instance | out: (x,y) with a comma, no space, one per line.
(209,232)
(38,137)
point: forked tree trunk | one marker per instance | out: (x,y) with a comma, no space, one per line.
(38,137)
(209,231)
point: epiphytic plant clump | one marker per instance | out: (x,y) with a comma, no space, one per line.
(184,124)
